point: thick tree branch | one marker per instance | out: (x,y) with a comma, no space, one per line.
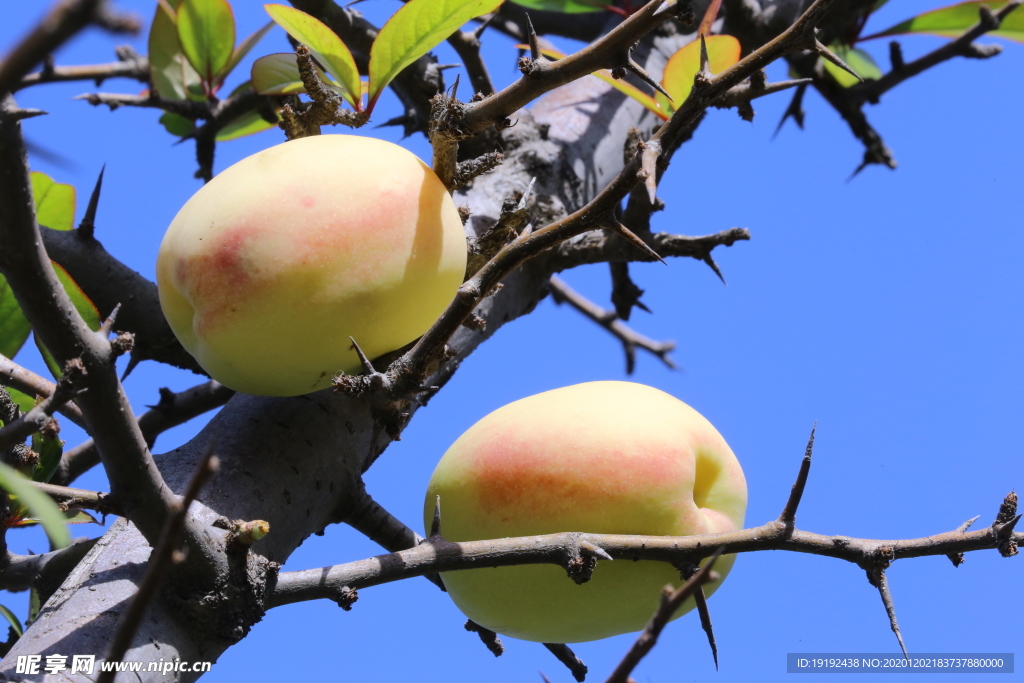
(134,478)
(21,572)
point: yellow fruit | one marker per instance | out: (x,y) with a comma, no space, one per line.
(268,270)
(601,457)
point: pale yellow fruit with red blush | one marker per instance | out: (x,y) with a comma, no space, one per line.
(601,457)
(268,269)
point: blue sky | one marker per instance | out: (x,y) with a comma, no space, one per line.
(888,308)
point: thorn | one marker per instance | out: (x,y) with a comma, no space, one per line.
(532,39)
(526,195)
(543,677)
(22,114)
(487,637)
(958,558)
(795,110)
(88,224)
(445,67)
(1005,530)
(108,324)
(133,361)
(820,48)
(479,30)
(596,551)
(705,621)
(883,589)
(788,515)
(632,238)
(367,365)
(435,523)
(705,67)
(646,78)
(649,165)
(714,266)
(566,656)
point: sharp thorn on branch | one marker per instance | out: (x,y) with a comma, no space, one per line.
(88,225)
(632,238)
(479,30)
(363,360)
(642,74)
(133,362)
(108,325)
(820,48)
(788,516)
(705,63)
(532,39)
(794,111)
(435,523)
(709,259)
(879,579)
(705,621)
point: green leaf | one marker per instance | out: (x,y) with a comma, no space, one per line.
(326,47)
(55,202)
(14,327)
(24,401)
(34,605)
(177,125)
(682,67)
(278,74)
(173,77)
(952,21)
(206,29)
(243,49)
(414,30)
(12,620)
(38,504)
(564,6)
(50,451)
(79,517)
(249,123)
(856,59)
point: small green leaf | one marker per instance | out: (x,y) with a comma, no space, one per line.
(12,620)
(14,327)
(206,29)
(172,75)
(682,67)
(278,74)
(177,125)
(24,401)
(952,21)
(856,59)
(243,49)
(564,6)
(325,45)
(55,202)
(39,505)
(50,451)
(79,517)
(249,123)
(414,30)
(34,605)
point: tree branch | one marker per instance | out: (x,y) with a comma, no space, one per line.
(609,320)
(133,66)
(67,18)
(13,375)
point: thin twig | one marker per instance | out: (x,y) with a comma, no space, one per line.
(566,656)
(165,554)
(671,601)
(488,637)
(26,381)
(630,339)
(62,22)
(788,516)
(135,68)
(40,416)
